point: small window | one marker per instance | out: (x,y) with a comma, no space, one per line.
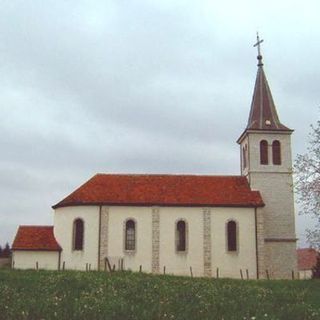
(130,236)
(276,152)
(244,156)
(181,236)
(263,152)
(232,236)
(78,234)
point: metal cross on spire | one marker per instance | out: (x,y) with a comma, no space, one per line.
(257,44)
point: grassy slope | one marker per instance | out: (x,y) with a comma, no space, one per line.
(96,295)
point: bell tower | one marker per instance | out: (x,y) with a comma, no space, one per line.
(266,161)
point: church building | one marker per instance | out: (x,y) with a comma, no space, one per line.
(207,225)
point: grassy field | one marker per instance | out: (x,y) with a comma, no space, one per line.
(96,295)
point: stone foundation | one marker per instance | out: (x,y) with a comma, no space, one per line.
(281,258)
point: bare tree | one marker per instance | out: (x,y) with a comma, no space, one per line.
(307,170)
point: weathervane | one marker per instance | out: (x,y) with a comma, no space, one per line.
(257,44)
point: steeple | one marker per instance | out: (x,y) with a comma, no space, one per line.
(263,114)
(266,161)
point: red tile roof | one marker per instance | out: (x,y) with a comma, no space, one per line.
(164,190)
(307,258)
(35,238)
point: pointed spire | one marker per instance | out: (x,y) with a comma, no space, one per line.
(263,114)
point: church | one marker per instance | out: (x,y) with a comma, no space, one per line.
(199,225)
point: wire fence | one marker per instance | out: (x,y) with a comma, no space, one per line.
(112,265)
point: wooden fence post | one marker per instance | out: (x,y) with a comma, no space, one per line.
(267,273)
(108,264)
(37,265)
(247,273)
(63,265)
(191,272)
(164,270)
(140,268)
(217,273)
(292,274)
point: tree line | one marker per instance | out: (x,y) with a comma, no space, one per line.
(5,252)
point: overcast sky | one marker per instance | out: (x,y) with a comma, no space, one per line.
(141,87)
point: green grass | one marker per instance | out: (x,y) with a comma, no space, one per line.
(97,295)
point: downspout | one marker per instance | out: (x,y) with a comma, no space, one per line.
(256,231)
(99,240)
(241,164)
(59,260)
(249,164)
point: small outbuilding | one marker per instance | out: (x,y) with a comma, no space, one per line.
(307,259)
(35,247)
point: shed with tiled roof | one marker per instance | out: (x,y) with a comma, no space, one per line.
(307,259)
(35,247)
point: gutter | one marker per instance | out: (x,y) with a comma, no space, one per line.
(99,239)
(256,232)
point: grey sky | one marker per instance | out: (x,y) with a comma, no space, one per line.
(140,86)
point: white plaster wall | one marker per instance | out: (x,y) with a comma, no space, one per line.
(305,274)
(143,253)
(230,263)
(179,262)
(175,262)
(63,231)
(27,259)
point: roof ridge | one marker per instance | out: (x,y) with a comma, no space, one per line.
(169,174)
(35,226)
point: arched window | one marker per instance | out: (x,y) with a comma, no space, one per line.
(232,235)
(181,235)
(130,235)
(244,156)
(276,152)
(78,234)
(263,152)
